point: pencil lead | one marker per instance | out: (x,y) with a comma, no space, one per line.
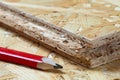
(57,66)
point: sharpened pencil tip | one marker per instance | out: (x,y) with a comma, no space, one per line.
(57,66)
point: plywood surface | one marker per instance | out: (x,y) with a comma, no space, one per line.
(89,18)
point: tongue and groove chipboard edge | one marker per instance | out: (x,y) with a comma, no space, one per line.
(89,53)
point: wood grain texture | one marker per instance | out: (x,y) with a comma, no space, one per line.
(82,17)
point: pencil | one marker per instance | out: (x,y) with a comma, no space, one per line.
(27,59)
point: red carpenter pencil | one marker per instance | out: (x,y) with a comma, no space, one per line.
(27,59)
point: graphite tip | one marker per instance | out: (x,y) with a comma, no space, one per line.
(57,66)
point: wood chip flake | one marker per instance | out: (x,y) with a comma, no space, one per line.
(7,77)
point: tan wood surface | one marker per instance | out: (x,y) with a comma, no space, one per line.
(89,18)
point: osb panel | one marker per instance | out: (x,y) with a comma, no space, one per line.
(89,18)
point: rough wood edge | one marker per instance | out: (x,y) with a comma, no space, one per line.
(79,58)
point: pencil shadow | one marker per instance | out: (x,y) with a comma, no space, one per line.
(48,70)
(55,71)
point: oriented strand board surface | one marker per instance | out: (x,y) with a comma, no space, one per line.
(90,18)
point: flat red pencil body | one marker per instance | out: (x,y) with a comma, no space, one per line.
(27,59)
(18,57)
